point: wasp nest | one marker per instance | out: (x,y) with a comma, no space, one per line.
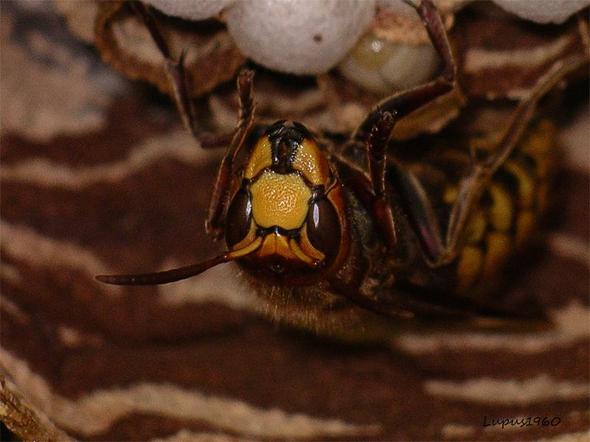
(346,54)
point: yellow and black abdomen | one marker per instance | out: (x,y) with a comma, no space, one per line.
(507,214)
(509,210)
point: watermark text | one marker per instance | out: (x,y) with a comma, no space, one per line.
(525,421)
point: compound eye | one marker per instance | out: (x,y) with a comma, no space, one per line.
(323,227)
(238,217)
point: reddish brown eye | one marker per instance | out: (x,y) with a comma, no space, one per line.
(238,217)
(323,227)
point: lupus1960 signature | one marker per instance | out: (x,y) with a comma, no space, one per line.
(523,421)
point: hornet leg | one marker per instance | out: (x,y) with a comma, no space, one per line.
(178,80)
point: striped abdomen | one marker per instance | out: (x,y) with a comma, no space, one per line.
(505,217)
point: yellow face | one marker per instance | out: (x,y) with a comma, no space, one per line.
(280,200)
(288,212)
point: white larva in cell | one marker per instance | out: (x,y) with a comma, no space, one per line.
(383,67)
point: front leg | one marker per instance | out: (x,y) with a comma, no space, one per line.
(371,190)
(220,196)
(375,130)
(174,69)
(377,159)
(403,103)
(178,81)
(177,77)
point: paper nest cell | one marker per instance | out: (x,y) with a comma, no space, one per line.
(311,37)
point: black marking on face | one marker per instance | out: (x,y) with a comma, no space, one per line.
(292,233)
(286,138)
